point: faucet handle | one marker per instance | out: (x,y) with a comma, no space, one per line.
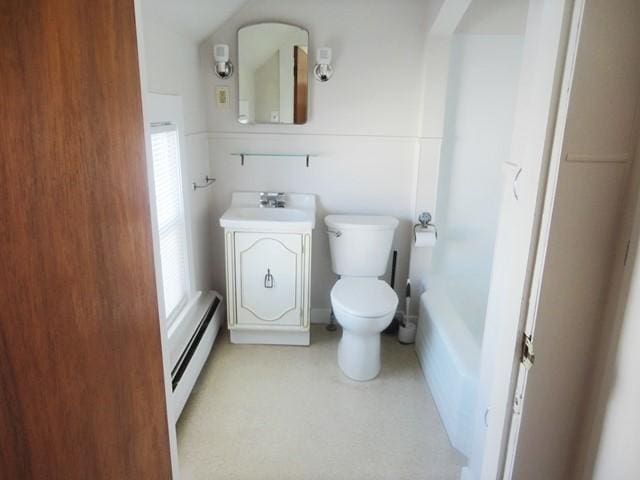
(281,200)
(273,199)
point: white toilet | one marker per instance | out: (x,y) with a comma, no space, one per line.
(362,304)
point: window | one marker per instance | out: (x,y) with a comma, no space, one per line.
(172,232)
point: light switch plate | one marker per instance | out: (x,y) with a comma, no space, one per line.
(222,97)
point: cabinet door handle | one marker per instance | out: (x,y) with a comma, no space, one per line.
(268,279)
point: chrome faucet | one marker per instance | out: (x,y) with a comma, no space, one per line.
(273,199)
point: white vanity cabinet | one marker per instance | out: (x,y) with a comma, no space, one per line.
(268,278)
(268,260)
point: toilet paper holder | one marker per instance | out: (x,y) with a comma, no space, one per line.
(425,221)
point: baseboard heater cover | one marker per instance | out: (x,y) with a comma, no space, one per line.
(194,354)
(187,354)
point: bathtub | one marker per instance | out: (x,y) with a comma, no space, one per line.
(449,352)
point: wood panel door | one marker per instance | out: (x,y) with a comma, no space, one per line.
(81,378)
(300,85)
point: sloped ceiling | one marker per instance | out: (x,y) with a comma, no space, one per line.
(193,19)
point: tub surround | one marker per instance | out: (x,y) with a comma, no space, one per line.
(480,105)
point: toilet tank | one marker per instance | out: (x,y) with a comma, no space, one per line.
(360,244)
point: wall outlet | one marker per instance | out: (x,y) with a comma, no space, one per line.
(222,97)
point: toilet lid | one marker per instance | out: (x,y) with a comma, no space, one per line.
(364,297)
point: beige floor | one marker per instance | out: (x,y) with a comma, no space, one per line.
(266,412)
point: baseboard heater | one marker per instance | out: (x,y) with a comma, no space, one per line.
(183,361)
(190,342)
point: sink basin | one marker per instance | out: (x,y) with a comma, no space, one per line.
(245,214)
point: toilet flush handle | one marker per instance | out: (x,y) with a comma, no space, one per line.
(337,233)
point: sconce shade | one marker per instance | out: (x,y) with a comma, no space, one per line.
(223,68)
(323,70)
(323,56)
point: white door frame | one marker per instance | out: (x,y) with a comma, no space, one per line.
(545,50)
(597,145)
(166,362)
(555,160)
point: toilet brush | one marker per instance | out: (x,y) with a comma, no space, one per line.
(407,303)
(392,328)
(407,331)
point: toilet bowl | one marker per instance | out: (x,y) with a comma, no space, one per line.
(364,307)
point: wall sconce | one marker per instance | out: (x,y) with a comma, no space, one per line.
(323,69)
(222,67)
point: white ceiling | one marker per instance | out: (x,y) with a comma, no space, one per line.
(193,19)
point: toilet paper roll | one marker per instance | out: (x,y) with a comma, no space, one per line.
(425,237)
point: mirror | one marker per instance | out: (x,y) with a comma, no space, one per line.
(272,74)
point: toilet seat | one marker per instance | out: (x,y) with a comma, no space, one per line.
(364,297)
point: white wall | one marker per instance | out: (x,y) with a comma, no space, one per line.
(363,123)
(266,88)
(335,176)
(377,53)
(173,67)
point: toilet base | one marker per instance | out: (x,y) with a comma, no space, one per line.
(359,355)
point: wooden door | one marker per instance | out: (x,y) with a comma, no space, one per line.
(268,279)
(81,378)
(300,85)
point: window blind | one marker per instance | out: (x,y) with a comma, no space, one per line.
(170,215)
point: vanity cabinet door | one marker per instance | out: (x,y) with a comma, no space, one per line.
(268,281)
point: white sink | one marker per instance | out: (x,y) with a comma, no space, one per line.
(246,214)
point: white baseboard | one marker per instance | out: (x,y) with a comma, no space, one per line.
(266,337)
